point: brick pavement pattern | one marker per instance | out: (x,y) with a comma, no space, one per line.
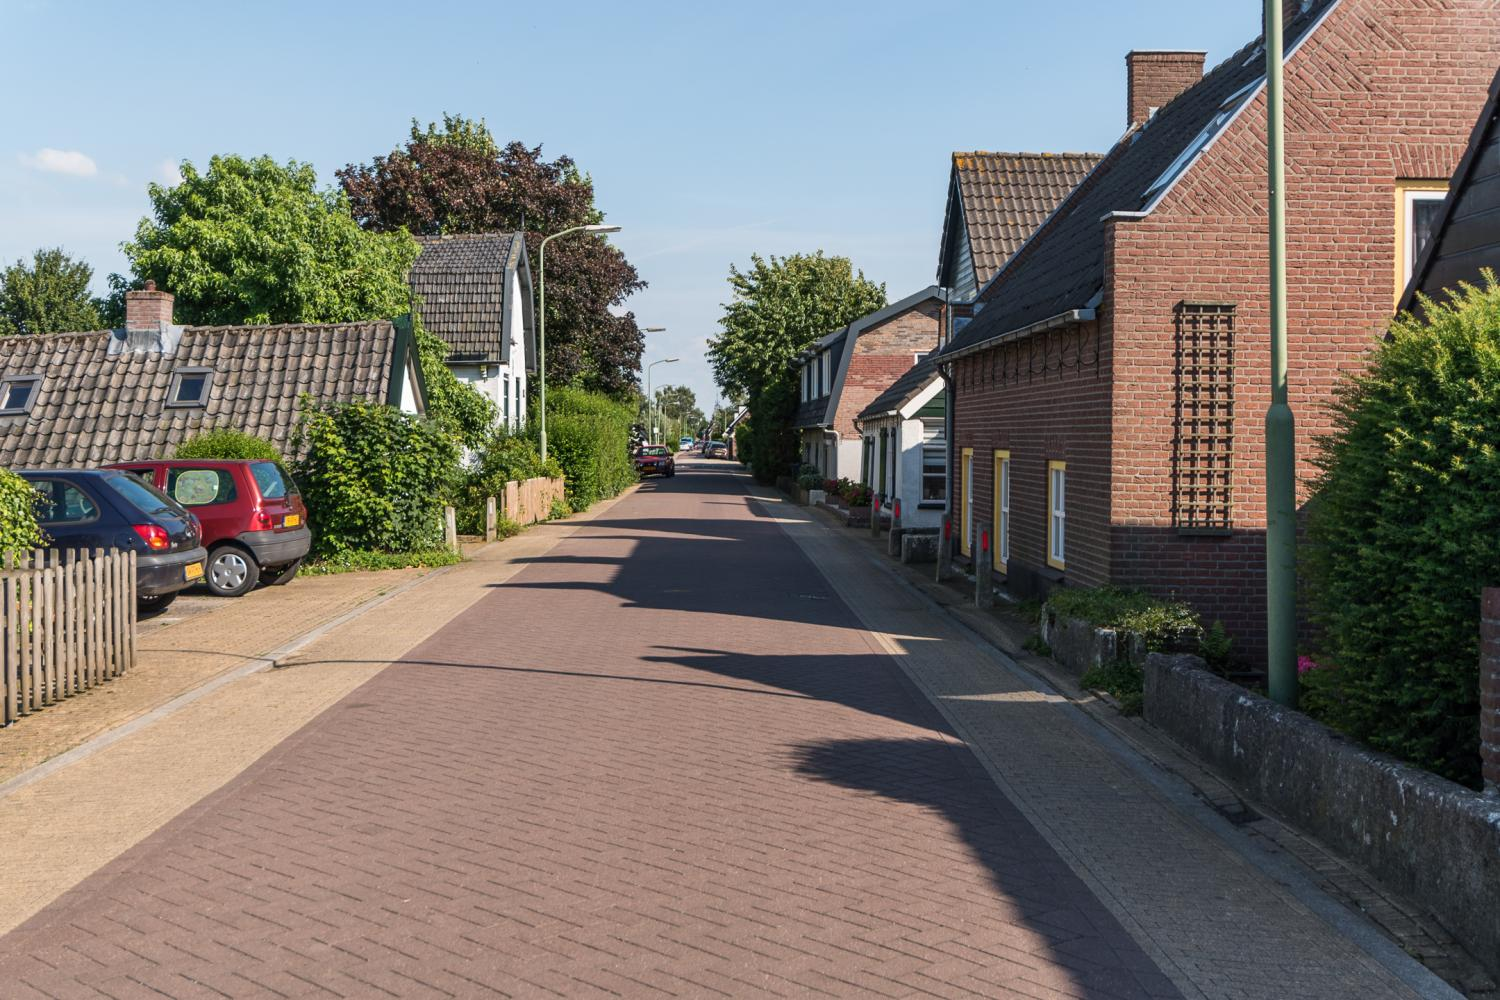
(661,760)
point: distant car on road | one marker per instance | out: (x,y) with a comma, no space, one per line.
(108,509)
(254,522)
(655,460)
(685,443)
(716,449)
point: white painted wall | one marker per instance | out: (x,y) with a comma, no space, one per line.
(489,378)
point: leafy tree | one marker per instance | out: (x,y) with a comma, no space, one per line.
(227,443)
(255,241)
(1405,532)
(457,179)
(777,308)
(50,296)
(19,500)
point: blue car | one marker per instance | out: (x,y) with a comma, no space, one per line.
(108,509)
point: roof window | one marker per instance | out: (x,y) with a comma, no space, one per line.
(1227,109)
(190,387)
(18,392)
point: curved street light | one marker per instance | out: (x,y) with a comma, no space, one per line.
(541,284)
(650,400)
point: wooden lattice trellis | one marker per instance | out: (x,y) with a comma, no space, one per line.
(1203,442)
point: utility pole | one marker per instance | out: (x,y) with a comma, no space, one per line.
(541,339)
(1281,441)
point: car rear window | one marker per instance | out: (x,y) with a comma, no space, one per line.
(200,487)
(63,503)
(656,451)
(143,497)
(272,480)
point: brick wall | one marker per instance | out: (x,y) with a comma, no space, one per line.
(1489,688)
(882,354)
(1152,79)
(1385,90)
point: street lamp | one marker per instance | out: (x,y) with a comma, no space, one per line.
(650,402)
(541,339)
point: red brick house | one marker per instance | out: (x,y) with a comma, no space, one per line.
(1112,386)
(840,374)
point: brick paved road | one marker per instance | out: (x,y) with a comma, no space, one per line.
(662,760)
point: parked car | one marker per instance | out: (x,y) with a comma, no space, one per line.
(716,449)
(254,522)
(655,459)
(685,443)
(108,509)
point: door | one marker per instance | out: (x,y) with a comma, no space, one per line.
(966,515)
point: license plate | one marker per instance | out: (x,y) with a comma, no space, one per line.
(192,571)
(291,520)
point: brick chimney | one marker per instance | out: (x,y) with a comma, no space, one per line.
(1154,78)
(147,309)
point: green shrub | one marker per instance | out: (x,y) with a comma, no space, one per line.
(373,478)
(560,510)
(227,443)
(462,411)
(363,560)
(742,441)
(588,434)
(18,515)
(1405,531)
(1124,680)
(506,456)
(1216,647)
(1160,624)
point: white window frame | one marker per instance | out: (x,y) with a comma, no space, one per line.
(1002,518)
(1410,196)
(824,367)
(1057,514)
(33,382)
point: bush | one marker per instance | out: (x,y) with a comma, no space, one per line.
(588,435)
(462,411)
(1405,531)
(19,531)
(1126,681)
(363,560)
(742,441)
(506,456)
(373,478)
(810,479)
(227,443)
(1160,624)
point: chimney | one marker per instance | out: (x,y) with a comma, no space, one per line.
(1154,78)
(148,309)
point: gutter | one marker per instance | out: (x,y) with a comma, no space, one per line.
(1083,315)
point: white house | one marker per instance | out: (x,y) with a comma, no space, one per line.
(905,453)
(474,291)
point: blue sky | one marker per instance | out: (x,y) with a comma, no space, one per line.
(712,130)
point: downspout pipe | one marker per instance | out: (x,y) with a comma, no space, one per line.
(1281,441)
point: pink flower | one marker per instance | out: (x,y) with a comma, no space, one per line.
(1306,663)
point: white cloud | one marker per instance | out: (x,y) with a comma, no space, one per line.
(61,161)
(168,173)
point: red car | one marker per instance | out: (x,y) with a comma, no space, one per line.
(655,460)
(254,522)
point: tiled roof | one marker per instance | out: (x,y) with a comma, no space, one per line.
(93,407)
(461,282)
(906,388)
(1005,196)
(1063,265)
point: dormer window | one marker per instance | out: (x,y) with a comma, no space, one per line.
(17,393)
(190,387)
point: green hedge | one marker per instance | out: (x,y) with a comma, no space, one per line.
(225,443)
(1405,531)
(18,502)
(373,478)
(588,435)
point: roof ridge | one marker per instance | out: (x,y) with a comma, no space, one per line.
(1040,155)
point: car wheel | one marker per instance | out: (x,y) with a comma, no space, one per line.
(153,605)
(276,576)
(671,473)
(231,571)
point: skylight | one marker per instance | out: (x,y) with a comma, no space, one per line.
(1227,109)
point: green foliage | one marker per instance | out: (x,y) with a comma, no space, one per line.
(1036,644)
(777,308)
(560,509)
(810,478)
(1216,647)
(742,441)
(588,434)
(253,241)
(1126,681)
(457,132)
(18,515)
(50,296)
(373,478)
(504,457)
(1405,531)
(364,560)
(462,411)
(1161,624)
(227,443)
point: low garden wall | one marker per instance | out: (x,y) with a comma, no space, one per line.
(1081,646)
(531,500)
(1435,841)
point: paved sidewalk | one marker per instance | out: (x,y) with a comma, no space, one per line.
(666,757)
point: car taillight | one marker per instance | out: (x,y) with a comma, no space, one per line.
(154,536)
(261,521)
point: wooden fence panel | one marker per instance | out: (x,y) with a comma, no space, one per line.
(69,624)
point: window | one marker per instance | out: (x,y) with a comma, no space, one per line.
(142,495)
(1227,109)
(18,392)
(805,394)
(1203,425)
(1418,205)
(919,357)
(966,511)
(200,487)
(824,369)
(190,387)
(63,503)
(505,382)
(934,463)
(272,481)
(1057,520)
(1002,510)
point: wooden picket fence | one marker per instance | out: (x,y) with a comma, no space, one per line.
(69,618)
(530,500)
